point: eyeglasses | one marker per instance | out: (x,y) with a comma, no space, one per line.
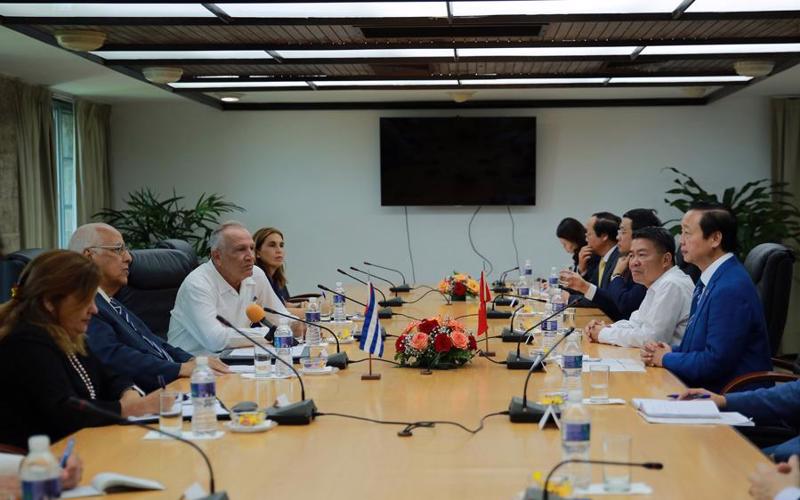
(117,249)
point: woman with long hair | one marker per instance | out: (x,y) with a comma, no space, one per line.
(270,257)
(572,236)
(44,360)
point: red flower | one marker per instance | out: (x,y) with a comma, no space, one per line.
(473,344)
(442,343)
(459,288)
(428,325)
(400,344)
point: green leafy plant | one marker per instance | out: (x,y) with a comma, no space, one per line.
(764,211)
(148,219)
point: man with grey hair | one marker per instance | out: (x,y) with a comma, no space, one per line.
(224,286)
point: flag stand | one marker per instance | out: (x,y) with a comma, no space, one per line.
(487,353)
(370,375)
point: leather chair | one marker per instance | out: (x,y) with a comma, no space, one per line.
(153,282)
(11,267)
(770,266)
(183,246)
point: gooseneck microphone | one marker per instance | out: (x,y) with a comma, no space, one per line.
(393,302)
(517,362)
(87,407)
(323,287)
(383,313)
(500,284)
(404,288)
(255,313)
(508,334)
(300,413)
(646,465)
(339,360)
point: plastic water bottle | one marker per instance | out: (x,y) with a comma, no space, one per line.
(204,398)
(576,428)
(339,315)
(313,316)
(572,366)
(40,473)
(522,287)
(552,282)
(527,273)
(283,346)
(557,303)
(549,328)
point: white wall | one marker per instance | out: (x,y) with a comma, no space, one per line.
(315,174)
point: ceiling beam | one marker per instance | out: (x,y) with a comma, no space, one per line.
(726,91)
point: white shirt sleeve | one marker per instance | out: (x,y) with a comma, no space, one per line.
(790,493)
(590,292)
(9,464)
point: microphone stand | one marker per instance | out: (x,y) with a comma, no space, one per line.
(323,287)
(300,413)
(394,301)
(508,334)
(384,313)
(85,406)
(500,285)
(517,362)
(545,495)
(339,360)
(404,288)
(504,314)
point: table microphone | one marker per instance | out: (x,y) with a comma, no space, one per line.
(508,334)
(300,413)
(500,284)
(517,362)
(394,301)
(544,494)
(85,406)
(255,313)
(518,409)
(323,287)
(386,312)
(404,288)
(339,360)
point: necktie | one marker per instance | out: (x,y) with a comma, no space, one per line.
(696,296)
(698,292)
(600,270)
(116,306)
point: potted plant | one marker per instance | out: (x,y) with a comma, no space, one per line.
(459,286)
(434,343)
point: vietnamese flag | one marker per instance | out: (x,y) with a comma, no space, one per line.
(485,296)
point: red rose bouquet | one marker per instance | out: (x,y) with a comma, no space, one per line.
(435,343)
(459,286)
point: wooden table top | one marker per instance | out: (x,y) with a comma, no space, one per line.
(342,458)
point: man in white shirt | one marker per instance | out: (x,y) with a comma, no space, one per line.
(664,312)
(224,286)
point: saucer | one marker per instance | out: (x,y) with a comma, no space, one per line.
(328,370)
(262,427)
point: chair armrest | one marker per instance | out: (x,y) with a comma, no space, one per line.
(754,377)
(786,362)
(303,297)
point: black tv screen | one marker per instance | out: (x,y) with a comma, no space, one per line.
(458,161)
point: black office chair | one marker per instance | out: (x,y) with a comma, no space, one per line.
(770,266)
(11,267)
(153,282)
(183,246)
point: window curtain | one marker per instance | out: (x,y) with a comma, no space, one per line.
(786,168)
(36,166)
(9,178)
(92,122)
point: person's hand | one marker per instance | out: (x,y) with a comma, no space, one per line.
(132,404)
(218,366)
(593,329)
(647,351)
(573,281)
(298,329)
(583,258)
(769,480)
(694,393)
(653,353)
(10,487)
(187,368)
(622,264)
(71,475)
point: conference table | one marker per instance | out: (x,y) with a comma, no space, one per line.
(338,457)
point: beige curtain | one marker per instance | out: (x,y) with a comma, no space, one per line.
(92,173)
(786,168)
(9,176)
(36,166)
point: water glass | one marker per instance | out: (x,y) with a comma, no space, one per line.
(569,318)
(265,393)
(263,364)
(170,415)
(617,448)
(598,383)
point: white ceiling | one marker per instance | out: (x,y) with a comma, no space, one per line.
(39,63)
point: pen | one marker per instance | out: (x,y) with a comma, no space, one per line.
(693,396)
(67,452)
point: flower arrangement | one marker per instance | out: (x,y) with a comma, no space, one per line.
(459,286)
(435,343)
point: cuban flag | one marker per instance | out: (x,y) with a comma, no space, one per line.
(371,340)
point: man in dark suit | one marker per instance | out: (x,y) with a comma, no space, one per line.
(121,340)
(727,333)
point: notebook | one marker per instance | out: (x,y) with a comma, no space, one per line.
(661,408)
(111,482)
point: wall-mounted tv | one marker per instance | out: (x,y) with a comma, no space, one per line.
(458,161)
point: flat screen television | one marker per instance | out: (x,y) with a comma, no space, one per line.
(458,161)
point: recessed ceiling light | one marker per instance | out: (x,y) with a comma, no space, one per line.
(556,7)
(743,6)
(383,83)
(534,81)
(104,10)
(339,9)
(225,85)
(679,79)
(114,55)
(721,48)
(546,51)
(162,74)
(364,53)
(230,97)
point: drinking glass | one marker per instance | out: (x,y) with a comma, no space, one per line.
(170,415)
(617,448)
(263,364)
(598,383)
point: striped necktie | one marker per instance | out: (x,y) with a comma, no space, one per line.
(696,296)
(116,306)
(698,293)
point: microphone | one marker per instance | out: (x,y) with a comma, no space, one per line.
(84,406)
(500,284)
(518,409)
(255,313)
(323,287)
(387,313)
(393,302)
(404,288)
(508,333)
(339,360)
(517,362)
(301,413)
(544,494)
(501,300)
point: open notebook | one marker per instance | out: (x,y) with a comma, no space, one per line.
(677,409)
(111,482)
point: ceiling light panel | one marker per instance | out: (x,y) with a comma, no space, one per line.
(230,85)
(680,79)
(104,10)
(743,6)
(534,81)
(547,51)
(725,48)
(384,83)
(115,55)
(336,10)
(556,7)
(365,53)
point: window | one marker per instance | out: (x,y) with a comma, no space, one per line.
(64,128)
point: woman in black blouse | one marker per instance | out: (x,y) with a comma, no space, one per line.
(572,236)
(44,359)
(269,257)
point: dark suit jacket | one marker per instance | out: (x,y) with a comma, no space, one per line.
(122,349)
(776,405)
(726,335)
(37,379)
(620,298)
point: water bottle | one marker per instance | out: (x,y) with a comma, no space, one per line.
(572,366)
(522,287)
(576,428)
(313,316)
(549,328)
(339,315)
(39,472)
(527,273)
(204,398)
(558,304)
(283,346)
(552,282)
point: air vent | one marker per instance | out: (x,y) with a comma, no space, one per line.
(501,32)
